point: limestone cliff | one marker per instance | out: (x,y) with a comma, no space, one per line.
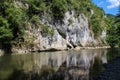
(69,33)
(38,25)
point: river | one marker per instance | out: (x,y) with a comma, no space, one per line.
(59,65)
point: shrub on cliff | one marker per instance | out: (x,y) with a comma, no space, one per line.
(6,35)
(12,22)
(59,8)
(5,31)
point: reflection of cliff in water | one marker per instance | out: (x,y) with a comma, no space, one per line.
(71,65)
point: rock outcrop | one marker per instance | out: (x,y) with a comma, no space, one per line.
(71,32)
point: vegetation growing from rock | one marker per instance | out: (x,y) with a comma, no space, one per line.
(15,14)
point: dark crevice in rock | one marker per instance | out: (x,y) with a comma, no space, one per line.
(69,46)
(62,33)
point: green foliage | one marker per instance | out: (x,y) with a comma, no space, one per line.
(97,20)
(112,37)
(96,25)
(117,24)
(15,17)
(12,25)
(5,31)
(70,22)
(112,31)
(35,19)
(51,31)
(46,30)
(58,8)
(36,7)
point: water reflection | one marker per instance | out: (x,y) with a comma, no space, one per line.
(62,65)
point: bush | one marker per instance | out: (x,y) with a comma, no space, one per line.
(96,26)
(47,30)
(6,34)
(112,31)
(36,7)
(58,9)
(16,18)
(35,19)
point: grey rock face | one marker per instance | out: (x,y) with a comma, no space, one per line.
(72,32)
(75,30)
(55,42)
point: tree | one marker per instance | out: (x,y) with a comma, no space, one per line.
(113,31)
(36,7)
(117,24)
(6,34)
(112,37)
(12,20)
(59,9)
(15,17)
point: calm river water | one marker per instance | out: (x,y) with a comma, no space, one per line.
(60,65)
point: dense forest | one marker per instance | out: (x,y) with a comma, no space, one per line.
(15,14)
(113,29)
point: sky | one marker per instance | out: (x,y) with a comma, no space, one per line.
(109,6)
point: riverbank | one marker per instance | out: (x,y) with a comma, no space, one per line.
(112,71)
(98,47)
(19,51)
